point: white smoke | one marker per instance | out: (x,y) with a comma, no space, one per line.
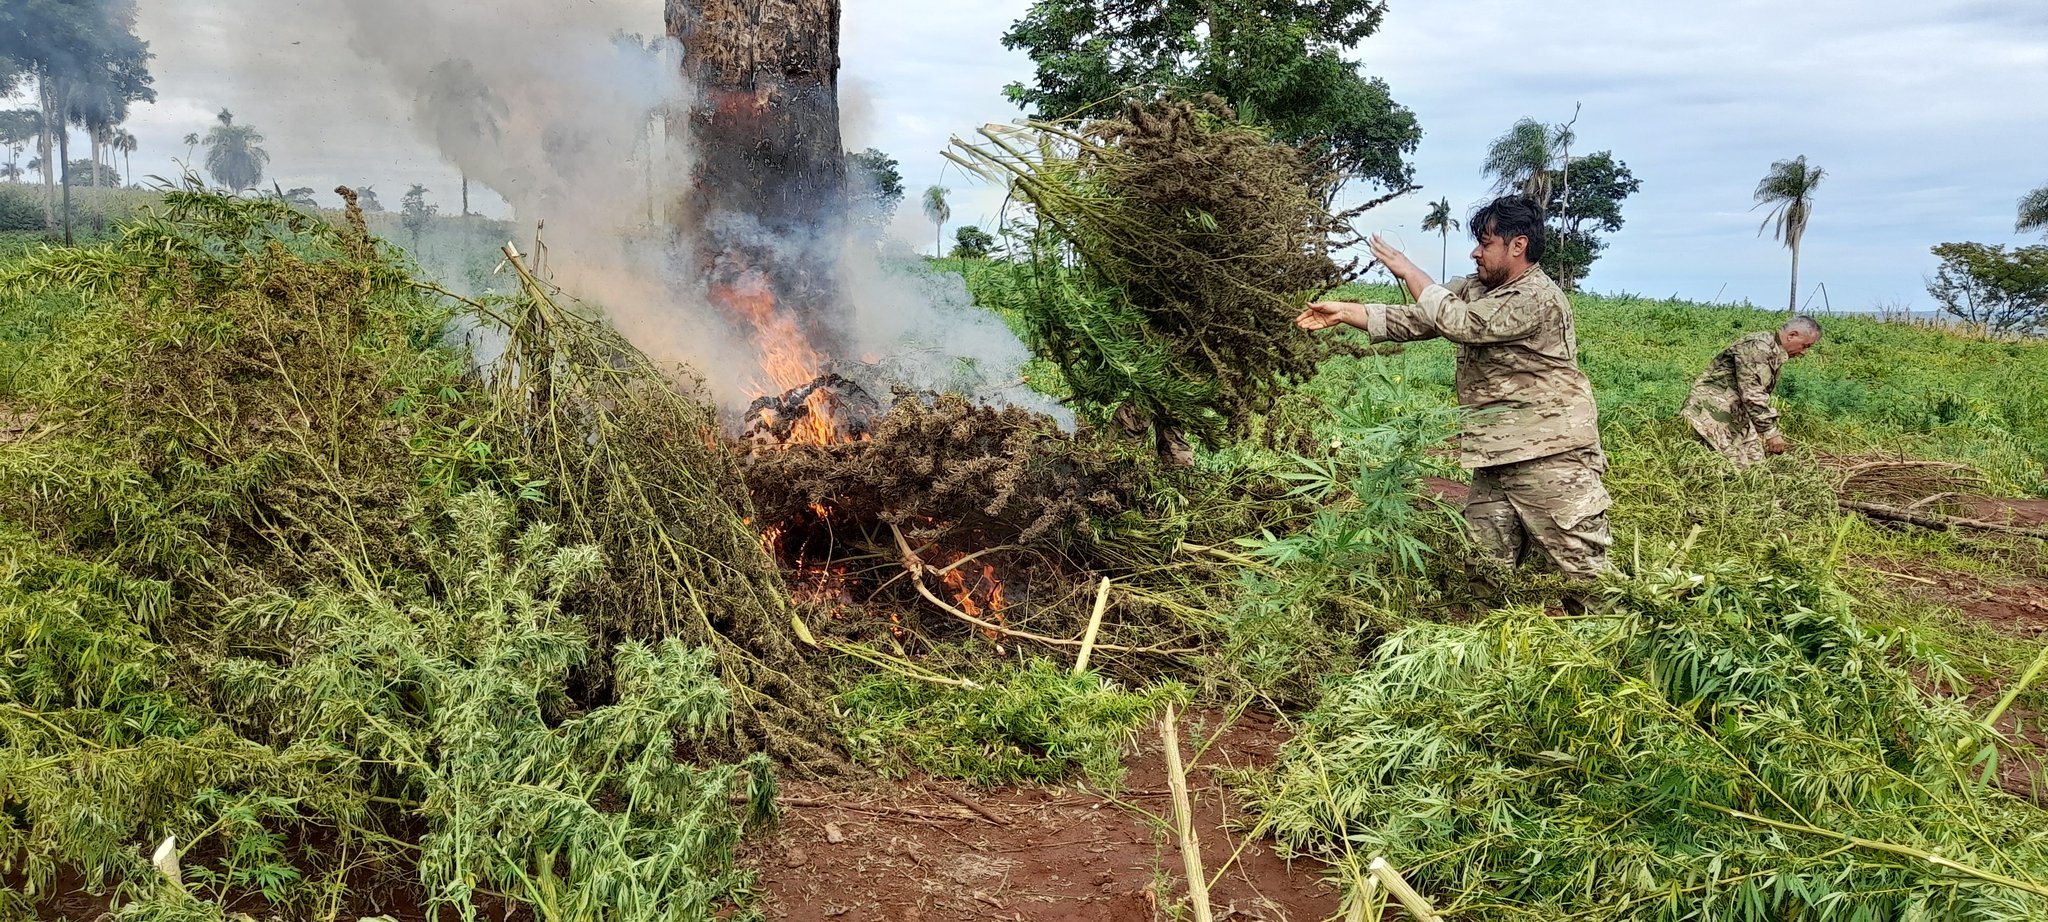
(560,109)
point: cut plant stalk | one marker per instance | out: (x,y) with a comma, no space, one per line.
(1094,625)
(1397,885)
(1184,819)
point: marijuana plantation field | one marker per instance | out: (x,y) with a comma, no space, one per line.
(370,630)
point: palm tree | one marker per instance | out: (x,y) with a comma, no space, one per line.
(191,143)
(1788,189)
(1439,219)
(935,208)
(234,155)
(2033,212)
(124,143)
(10,171)
(18,128)
(470,111)
(1524,159)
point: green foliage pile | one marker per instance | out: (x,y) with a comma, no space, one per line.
(1167,253)
(1321,588)
(1730,744)
(1038,723)
(267,589)
(638,468)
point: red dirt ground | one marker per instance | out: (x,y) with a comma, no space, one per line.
(2024,513)
(2016,606)
(909,852)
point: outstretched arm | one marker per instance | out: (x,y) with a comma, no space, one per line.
(1402,267)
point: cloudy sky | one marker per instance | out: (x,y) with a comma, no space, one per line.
(1929,117)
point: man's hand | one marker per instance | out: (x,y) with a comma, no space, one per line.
(1776,445)
(1322,315)
(1396,262)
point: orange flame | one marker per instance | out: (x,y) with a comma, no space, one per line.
(981,597)
(787,359)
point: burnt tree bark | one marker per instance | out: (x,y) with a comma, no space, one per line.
(768,199)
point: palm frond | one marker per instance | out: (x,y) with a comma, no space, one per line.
(2033,211)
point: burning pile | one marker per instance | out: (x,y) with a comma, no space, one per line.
(945,505)
(824,410)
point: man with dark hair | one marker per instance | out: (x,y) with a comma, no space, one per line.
(1730,405)
(1532,437)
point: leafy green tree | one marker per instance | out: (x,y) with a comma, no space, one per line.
(469,111)
(366,199)
(2033,212)
(1587,205)
(2006,292)
(936,208)
(415,213)
(87,63)
(1439,219)
(1279,62)
(1788,189)
(874,184)
(1528,158)
(299,197)
(972,242)
(235,157)
(82,174)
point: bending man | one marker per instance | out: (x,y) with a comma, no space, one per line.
(1531,436)
(1730,405)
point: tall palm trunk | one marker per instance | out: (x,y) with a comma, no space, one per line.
(64,157)
(46,143)
(1792,307)
(1443,260)
(465,193)
(768,154)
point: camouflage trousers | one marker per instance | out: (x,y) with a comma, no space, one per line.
(1722,428)
(1555,505)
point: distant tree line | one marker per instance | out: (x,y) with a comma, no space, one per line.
(87,68)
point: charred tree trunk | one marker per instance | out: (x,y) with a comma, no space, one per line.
(768,202)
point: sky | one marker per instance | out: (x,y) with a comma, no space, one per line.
(1928,117)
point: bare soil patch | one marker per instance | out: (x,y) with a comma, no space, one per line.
(1449,491)
(911,851)
(2019,513)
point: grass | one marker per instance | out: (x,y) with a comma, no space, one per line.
(1037,722)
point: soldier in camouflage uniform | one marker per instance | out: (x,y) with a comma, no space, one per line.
(1532,436)
(1730,405)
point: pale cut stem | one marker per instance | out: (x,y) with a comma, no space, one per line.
(1094,625)
(2018,688)
(1184,820)
(1398,886)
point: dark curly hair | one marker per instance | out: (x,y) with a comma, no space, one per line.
(1508,217)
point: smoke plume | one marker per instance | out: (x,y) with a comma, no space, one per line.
(560,109)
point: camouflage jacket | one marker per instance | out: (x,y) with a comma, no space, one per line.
(1518,364)
(1734,394)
